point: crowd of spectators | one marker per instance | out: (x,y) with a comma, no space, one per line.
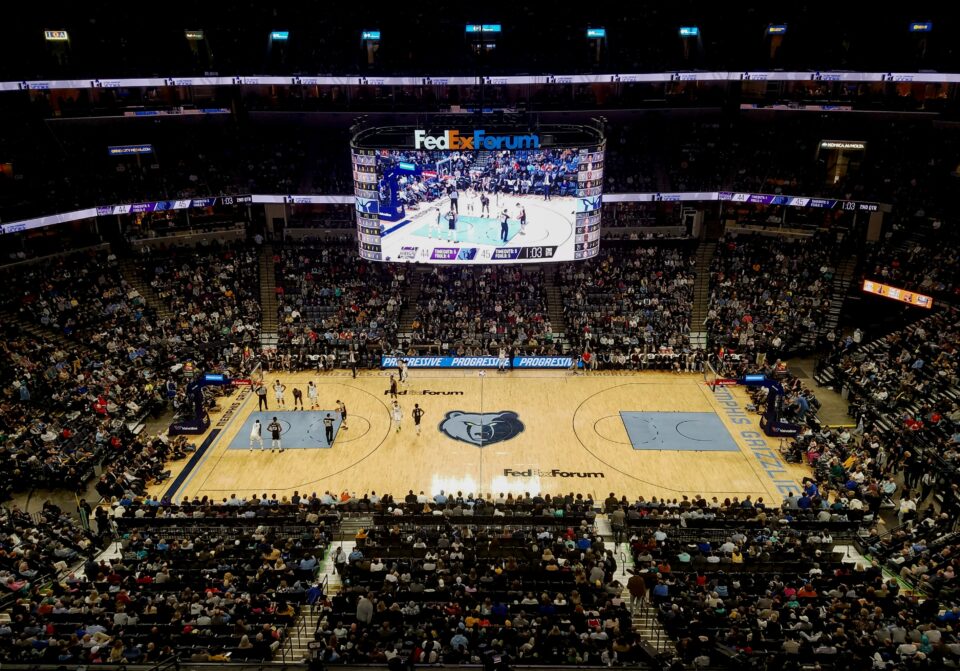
(476,311)
(35,548)
(101,362)
(919,258)
(923,555)
(205,581)
(459,579)
(213,294)
(770,295)
(763,583)
(329,302)
(631,306)
(903,392)
(72,402)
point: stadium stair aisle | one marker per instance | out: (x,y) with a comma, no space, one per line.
(554,304)
(128,269)
(410,298)
(841,286)
(268,297)
(701,294)
(645,620)
(301,632)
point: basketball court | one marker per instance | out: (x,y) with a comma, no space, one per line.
(651,434)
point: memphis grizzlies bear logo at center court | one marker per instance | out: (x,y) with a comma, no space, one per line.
(481,429)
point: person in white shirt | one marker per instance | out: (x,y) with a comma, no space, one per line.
(278,390)
(312,394)
(435,224)
(396,413)
(256,435)
(907,507)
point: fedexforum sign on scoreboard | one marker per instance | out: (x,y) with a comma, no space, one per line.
(479,139)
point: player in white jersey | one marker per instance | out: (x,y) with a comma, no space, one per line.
(396,414)
(256,435)
(312,395)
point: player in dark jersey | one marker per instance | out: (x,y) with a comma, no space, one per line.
(451,226)
(417,415)
(275,429)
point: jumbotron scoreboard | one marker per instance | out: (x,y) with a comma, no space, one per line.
(456,194)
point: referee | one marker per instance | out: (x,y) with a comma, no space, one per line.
(328,426)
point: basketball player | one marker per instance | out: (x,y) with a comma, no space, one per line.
(484,204)
(278,390)
(274,428)
(469,199)
(403,371)
(393,387)
(256,435)
(522,216)
(328,422)
(454,199)
(504,226)
(417,415)
(297,398)
(312,394)
(451,226)
(396,414)
(342,409)
(435,225)
(502,361)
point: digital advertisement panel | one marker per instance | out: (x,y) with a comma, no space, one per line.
(473,197)
(897,294)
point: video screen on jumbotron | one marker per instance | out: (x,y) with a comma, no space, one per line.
(457,196)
